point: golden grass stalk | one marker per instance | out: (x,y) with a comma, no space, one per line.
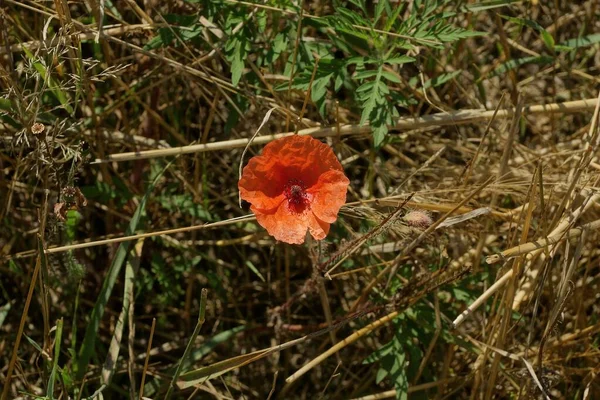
(405,123)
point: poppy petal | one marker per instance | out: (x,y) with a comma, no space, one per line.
(317,228)
(283,224)
(301,157)
(296,184)
(329,195)
(261,183)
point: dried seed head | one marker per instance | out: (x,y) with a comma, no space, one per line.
(60,211)
(418,219)
(73,196)
(37,128)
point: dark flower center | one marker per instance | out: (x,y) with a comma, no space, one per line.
(295,193)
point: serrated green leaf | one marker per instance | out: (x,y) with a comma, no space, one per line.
(318,92)
(379,134)
(366,74)
(237,66)
(280,43)
(393,16)
(446,34)
(365,87)
(400,60)
(391,77)
(441,79)
(379,8)
(372,98)
(261,21)
(383,90)
(352,17)
(66,377)
(188,34)
(462,295)
(185,203)
(339,81)
(183,28)
(360,60)
(237,46)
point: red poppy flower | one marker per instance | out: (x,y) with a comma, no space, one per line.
(296,184)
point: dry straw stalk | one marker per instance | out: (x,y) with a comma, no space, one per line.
(406,123)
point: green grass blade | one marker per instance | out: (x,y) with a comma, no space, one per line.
(57,342)
(255,270)
(188,348)
(487,5)
(108,369)
(215,370)
(87,347)
(515,63)
(3,313)
(583,41)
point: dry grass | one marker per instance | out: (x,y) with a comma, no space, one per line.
(122,206)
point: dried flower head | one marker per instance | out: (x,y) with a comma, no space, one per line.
(296,184)
(37,128)
(72,196)
(72,199)
(418,219)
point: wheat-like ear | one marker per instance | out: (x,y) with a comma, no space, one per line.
(417,288)
(351,247)
(451,276)
(310,285)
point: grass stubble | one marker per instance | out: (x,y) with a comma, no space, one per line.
(511,185)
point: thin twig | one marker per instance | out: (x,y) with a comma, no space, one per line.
(264,121)
(147,358)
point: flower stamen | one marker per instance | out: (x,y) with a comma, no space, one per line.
(295,193)
(297,185)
